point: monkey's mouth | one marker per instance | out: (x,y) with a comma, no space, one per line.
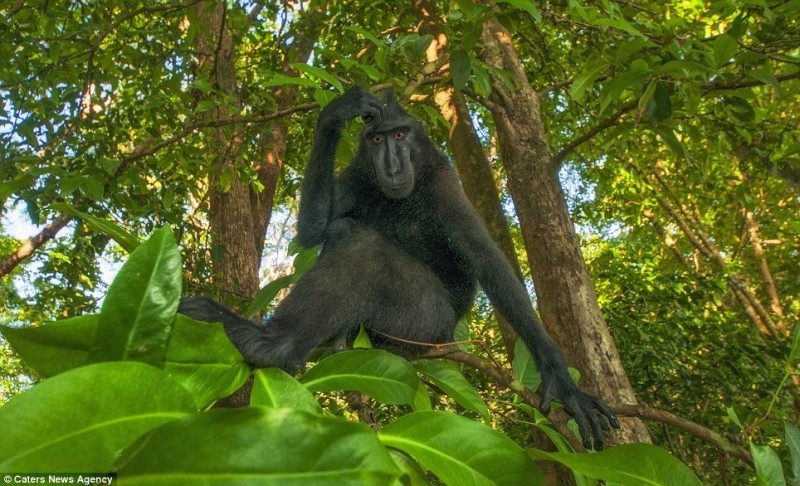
(397,191)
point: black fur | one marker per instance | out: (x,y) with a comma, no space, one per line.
(403,262)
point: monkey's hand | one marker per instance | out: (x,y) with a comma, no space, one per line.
(357,101)
(590,412)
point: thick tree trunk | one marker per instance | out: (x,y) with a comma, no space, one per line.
(567,301)
(239,216)
(236,257)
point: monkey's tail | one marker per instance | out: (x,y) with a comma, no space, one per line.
(249,338)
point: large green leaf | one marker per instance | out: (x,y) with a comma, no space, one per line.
(451,381)
(267,294)
(127,241)
(633,464)
(460,67)
(769,471)
(459,450)
(524,367)
(54,347)
(81,419)
(138,313)
(274,388)
(723,49)
(202,358)
(262,446)
(793,441)
(380,374)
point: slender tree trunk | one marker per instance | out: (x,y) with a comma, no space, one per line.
(767,282)
(473,166)
(567,301)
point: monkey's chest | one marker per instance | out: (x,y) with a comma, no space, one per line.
(423,240)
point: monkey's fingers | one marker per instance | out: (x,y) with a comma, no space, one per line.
(547,401)
(372,110)
(606,411)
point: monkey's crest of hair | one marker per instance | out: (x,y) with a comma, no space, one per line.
(391,107)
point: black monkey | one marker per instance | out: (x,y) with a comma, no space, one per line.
(402,252)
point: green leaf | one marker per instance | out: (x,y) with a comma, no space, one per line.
(267,294)
(586,78)
(460,68)
(527,6)
(362,341)
(319,73)
(93,188)
(422,399)
(265,446)
(139,311)
(202,358)
(367,35)
(769,471)
(619,24)
(632,464)
(613,90)
(206,105)
(732,415)
(81,419)
(16,184)
(524,367)
(481,81)
(278,79)
(659,107)
(414,475)
(452,382)
(461,333)
(382,375)
(793,441)
(724,48)
(766,76)
(677,147)
(305,260)
(459,450)
(54,347)
(274,388)
(127,241)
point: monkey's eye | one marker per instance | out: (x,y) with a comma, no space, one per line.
(399,135)
(377,139)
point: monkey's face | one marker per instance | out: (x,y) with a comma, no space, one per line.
(390,144)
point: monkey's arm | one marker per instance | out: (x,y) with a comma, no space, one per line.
(469,238)
(317,188)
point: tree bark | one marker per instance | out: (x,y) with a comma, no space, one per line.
(239,216)
(567,300)
(236,258)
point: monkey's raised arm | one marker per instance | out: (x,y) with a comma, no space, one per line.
(470,239)
(317,188)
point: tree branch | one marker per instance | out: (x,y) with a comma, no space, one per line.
(27,248)
(697,430)
(614,119)
(505,379)
(609,122)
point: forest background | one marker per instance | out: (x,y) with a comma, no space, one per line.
(638,161)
